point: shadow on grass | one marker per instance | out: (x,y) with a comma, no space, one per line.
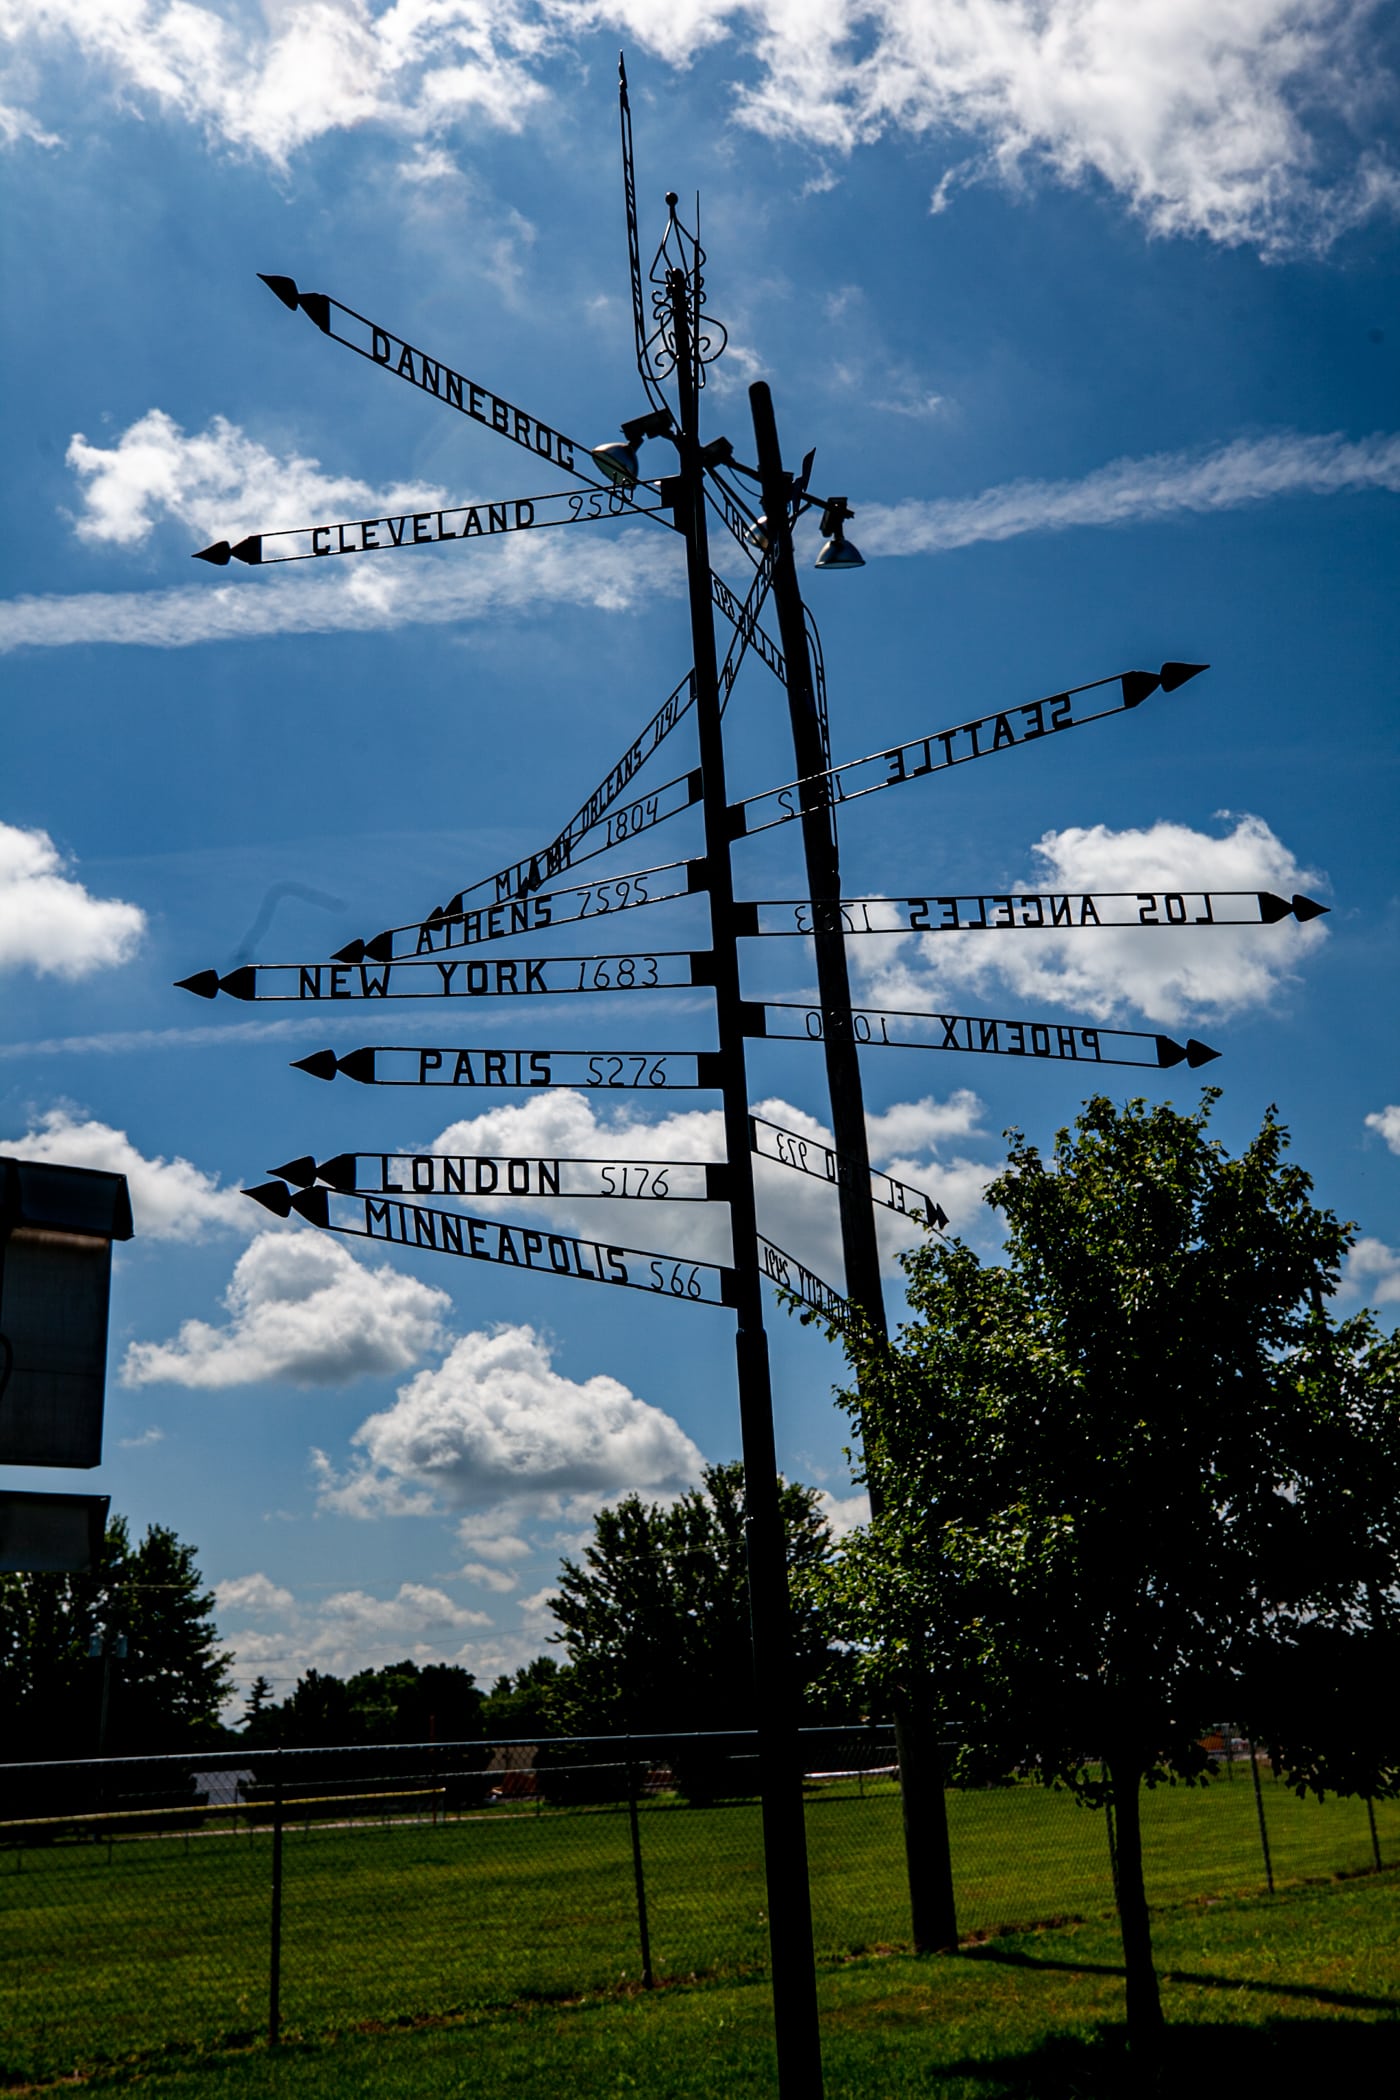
(1314,1993)
(1282,2056)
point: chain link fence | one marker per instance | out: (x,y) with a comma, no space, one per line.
(169,1902)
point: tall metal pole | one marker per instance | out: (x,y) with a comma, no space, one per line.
(775,1686)
(931,1899)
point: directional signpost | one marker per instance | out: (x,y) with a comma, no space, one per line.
(419,1200)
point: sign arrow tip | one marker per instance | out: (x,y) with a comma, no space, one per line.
(204,984)
(1174,675)
(1305,908)
(1137,685)
(352,952)
(219,554)
(283,288)
(312,1204)
(241,983)
(301,1172)
(1168,1052)
(1199,1053)
(273,1197)
(1272,908)
(338,1173)
(317,307)
(322,1064)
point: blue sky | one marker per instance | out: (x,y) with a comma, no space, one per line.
(1092,311)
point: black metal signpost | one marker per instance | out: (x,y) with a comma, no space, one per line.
(418,1199)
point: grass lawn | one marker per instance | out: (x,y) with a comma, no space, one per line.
(1290,1994)
(162,1942)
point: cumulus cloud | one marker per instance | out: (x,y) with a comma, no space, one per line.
(171,1199)
(1386,1122)
(1372,1271)
(795,1212)
(1170,975)
(495,1423)
(1137,491)
(301,1309)
(1259,122)
(49,922)
(219,482)
(275,1633)
(252,1593)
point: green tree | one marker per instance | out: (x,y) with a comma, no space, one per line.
(1135,1475)
(529,1702)
(655,1620)
(404,1702)
(165,1694)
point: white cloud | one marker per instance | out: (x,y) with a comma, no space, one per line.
(1386,1122)
(843,1512)
(1372,1271)
(274,1632)
(415,1609)
(798,1214)
(1256,121)
(1134,491)
(170,1198)
(496,1424)
(499,1579)
(254,1593)
(219,483)
(144,1441)
(48,922)
(1170,975)
(302,1310)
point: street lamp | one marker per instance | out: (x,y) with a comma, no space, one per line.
(837,552)
(619,461)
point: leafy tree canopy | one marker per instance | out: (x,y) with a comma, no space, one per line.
(655,1620)
(403,1702)
(1137,1475)
(165,1694)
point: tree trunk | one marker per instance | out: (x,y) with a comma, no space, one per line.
(1144,2005)
(924,1807)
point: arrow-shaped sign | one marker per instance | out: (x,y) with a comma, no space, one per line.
(1024,911)
(429,528)
(943,748)
(509,1246)
(418,1174)
(492,977)
(771,1141)
(380,346)
(411,1064)
(478,925)
(901,1029)
(521,877)
(790,1276)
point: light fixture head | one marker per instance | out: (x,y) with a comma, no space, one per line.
(718,453)
(839,553)
(619,460)
(757,535)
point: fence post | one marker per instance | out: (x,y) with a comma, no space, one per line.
(1112,1847)
(274,1978)
(638,1876)
(1375,1839)
(1259,1804)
